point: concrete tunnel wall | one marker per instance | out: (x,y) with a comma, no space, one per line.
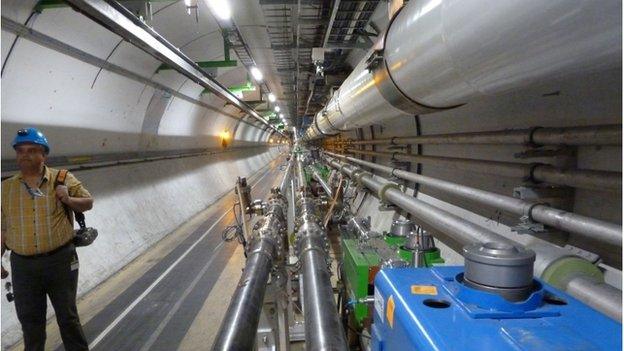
(88,111)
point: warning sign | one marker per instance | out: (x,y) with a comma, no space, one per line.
(424,290)
(390,311)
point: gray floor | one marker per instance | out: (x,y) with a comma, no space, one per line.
(172,297)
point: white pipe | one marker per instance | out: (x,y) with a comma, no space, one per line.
(439,54)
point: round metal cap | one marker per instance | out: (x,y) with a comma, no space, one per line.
(401,227)
(498,264)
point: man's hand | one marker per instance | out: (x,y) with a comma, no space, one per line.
(79,204)
(62,194)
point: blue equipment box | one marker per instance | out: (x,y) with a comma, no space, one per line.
(429,309)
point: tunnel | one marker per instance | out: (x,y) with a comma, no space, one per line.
(313,174)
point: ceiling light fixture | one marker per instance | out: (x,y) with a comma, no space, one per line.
(255,72)
(220,8)
(277,109)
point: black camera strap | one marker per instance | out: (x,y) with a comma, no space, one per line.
(80,218)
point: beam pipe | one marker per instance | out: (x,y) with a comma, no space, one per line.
(591,228)
(240,324)
(323,329)
(287,175)
(323,184)
(301,178)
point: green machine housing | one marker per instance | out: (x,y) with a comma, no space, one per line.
(361,264)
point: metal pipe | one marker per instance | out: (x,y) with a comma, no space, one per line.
(301,178)
(610,134)
(591,228)
(323,329)
(287,175)
(240,324)
(238,331)
(596,294)
(457,228)
(323,184)
(577,178)
(601,296)
(243,210)
(468,55)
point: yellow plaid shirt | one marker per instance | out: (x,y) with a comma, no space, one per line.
(34,225)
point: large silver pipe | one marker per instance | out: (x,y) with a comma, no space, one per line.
(440,54)
(567,221)
(576,178)
(301,178)
(601,296)
(610,134)
(286,179)
(322,182)
(240,323)
(608,301)
(323,329)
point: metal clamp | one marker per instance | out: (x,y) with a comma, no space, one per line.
(531,142)
(357,176)
(382,191)
(527,225)
(531,177)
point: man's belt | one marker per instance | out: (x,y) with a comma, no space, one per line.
(45,254)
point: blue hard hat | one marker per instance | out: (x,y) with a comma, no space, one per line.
(31,136)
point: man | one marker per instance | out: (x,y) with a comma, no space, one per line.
(37,226)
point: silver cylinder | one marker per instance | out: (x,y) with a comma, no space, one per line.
(287,175)
(500,268)
(599,295)
(240,323)
(478,48)
(401,227)
(442,54)
(322,182)
(238,330)
(323,329)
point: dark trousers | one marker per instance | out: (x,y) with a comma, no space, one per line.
(33,279)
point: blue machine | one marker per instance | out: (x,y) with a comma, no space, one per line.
(431,309)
